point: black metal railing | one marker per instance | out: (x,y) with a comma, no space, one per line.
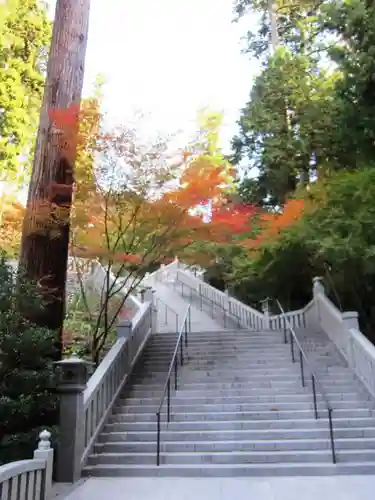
(166,311)
(303,361)
(195,296)
(178,355)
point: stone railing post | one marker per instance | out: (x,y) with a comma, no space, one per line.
(124,329)
(148,295)
(350,320)
(266,312)
(318,286)
(72,383)
(45,452)
(162,273)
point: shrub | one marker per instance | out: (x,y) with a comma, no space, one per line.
(28,400)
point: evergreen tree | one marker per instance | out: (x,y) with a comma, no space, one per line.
(24,39)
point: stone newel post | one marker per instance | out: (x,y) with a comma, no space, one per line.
(72,383)
(45,452)
(124,328)
(350,319)
(318,286)
(148,295)
(266,312)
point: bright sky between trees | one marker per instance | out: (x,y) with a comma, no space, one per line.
(168,58)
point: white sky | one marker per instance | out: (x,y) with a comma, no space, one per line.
(169,58)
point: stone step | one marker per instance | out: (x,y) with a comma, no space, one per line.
(125,402)
(219,373)
(240,410)
(223,331)
(221,336)
(239,407)
(272,413)
(201,446)
(254,380)
(193,366)
(240,434)
(245,457)
(220,425)
(271,355)
(236,362)
(218,390)
(215,348)
(240,470)
(265,377)
(234,342)
(195,339)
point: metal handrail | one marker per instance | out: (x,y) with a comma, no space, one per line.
(184,329)
(226,313)
(167,308)
(314,378)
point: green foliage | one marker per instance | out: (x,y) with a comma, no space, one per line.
(24,39)
(334,239)
(310,109)
(283,128)
(85,334)
(353,23)
(27,399)
(341,237)
(310,121)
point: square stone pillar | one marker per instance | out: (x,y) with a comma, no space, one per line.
(266,312)
(318,286)
(72,383)
(350,320)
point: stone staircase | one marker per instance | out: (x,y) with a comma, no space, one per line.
(240,410)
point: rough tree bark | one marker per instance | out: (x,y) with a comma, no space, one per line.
(272,12)
(45,238)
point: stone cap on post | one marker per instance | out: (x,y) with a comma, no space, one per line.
(45,452)
(74,374)
(44,442)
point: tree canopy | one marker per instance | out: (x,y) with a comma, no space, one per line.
(24,43)
(306,143)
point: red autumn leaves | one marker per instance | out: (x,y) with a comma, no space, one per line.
(65,122)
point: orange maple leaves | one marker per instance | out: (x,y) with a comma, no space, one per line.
(248,226)
(232,220)
(271,225)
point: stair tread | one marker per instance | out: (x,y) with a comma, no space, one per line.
(235,453)
(239,399)
(245,412)
(223,466)
(185,422)
(253,441)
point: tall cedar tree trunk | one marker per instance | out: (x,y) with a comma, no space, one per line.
(45,237)
(275,43)
(272,13)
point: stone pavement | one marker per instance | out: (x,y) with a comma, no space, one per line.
(200,320)
(295,488)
